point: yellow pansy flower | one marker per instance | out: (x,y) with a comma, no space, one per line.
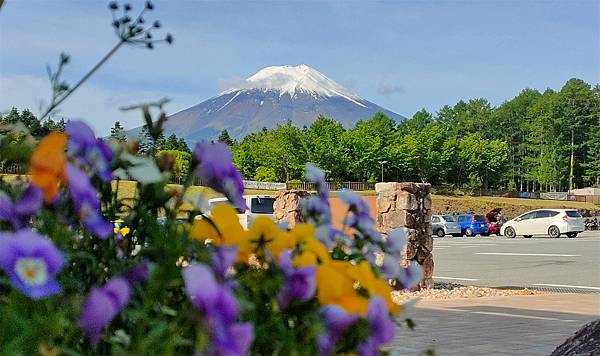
(225,228)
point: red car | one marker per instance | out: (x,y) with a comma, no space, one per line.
(494,221)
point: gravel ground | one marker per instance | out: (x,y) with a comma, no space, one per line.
(454,290)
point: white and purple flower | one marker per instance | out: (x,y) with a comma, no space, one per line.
(31,262)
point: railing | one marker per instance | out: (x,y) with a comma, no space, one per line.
(357,186)
(13,169)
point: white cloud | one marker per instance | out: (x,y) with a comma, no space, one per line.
(385,88)
(96,105)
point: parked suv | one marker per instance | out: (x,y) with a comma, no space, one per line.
(472,224)
(258,205)
(443,225)
(553,222)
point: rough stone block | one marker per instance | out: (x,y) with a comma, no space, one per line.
(397,218)
(407,186)
(385,202)
(406,200)
(385,187)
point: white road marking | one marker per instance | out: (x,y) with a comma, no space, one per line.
(565,286)
(525,254)
(456,279)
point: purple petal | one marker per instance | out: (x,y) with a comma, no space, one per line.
(97,312)
(7,212)
(382,326)
(30,202)
(200,286)
(138,274)
(223,258)
(119,290)
(242,335)
(337,319)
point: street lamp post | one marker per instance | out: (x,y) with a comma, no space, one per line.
(382,163)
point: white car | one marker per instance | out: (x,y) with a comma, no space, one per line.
(553,222)
(258,205)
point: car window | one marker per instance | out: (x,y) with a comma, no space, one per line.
(573,214)
(462,218)
(542,214)
(552,213)
(449,218)
(479,218)
(262,205)
(212,204)
(528,216)
(435,219)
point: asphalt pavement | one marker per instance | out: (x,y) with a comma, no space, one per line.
(539,262)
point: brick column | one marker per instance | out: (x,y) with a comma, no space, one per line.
(409,205)
(288,206)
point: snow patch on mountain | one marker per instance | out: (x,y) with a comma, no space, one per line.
(294,80)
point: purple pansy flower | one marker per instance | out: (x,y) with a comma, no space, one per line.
(218,304)
(138,274)
(382,328)
(103,305)
(337,321)
(300,282)
(316,209)
(410,276)
(317,176)
(223,258)
(217,172)
(360,219)
(19,214)
(87,203)
(89,151)
(31,262)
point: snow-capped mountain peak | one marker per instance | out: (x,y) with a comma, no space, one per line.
(294,80)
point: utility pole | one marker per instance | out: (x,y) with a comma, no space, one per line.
(382,163)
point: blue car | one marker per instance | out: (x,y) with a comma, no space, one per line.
(472,224)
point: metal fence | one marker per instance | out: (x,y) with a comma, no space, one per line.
(357,186)
(12,169)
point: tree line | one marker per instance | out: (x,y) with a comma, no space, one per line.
(536,141)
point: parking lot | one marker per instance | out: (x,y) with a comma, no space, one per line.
(541,262)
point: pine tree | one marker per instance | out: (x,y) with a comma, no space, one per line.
(118,133)
(225,138)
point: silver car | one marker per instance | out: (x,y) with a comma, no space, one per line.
(443,225)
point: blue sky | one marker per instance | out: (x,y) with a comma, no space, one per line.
(401,55)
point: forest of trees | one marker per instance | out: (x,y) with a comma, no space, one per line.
(536,141)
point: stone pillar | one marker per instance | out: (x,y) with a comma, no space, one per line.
(409,205)
(288,206)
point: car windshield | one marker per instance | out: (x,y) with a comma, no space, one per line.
(478,218)
(212,204)
(573,214)
(262,205)
(449,218)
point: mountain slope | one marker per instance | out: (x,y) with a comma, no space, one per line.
(273,96)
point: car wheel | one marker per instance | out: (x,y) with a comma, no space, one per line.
(571,234)
(510,233)
(440,233)
(527,236)
(469,232)
(554,231)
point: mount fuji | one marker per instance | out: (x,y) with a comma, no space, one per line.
(272,96)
